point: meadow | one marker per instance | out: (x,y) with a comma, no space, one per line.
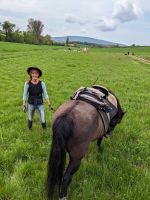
(121,170)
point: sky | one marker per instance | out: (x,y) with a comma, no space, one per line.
(122,21)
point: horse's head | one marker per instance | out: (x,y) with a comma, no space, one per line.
(118,117)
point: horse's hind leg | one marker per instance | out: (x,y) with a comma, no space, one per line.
(67,177)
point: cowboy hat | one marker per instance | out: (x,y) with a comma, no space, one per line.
(34,68)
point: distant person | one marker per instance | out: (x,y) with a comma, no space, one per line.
(33,90)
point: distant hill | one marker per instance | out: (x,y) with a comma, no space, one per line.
(85,40)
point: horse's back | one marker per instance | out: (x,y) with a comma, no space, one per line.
(63,109)
(76,109)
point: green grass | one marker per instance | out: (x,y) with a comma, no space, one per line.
(121,170)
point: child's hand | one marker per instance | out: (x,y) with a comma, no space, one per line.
(50,107)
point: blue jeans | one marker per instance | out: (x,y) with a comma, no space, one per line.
(40,109)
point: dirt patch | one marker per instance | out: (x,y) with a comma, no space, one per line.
(140,59)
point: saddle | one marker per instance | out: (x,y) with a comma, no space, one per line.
(98,97)
(101,88)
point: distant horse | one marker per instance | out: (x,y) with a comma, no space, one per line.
(75,124)
(85,49)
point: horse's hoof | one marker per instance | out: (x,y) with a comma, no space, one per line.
(64,198)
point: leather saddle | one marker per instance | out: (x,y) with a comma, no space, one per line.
(98,97)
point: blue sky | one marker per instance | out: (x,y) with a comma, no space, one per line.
(122,21)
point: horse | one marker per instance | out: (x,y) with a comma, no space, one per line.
(85,49)
(75,125)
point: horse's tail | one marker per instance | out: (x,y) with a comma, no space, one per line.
(62,130)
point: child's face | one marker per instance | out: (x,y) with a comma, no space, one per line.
(34,74)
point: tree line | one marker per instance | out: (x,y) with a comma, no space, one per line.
(33,35)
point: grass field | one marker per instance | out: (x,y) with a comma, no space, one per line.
(121,170)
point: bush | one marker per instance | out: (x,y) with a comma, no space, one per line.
(2,37)
(17,37)
(28,37)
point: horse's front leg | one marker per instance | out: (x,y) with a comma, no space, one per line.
(67,177)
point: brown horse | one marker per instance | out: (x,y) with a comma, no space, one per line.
(75,124)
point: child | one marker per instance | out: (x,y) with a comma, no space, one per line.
(33,90)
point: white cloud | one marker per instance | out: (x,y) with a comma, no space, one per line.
(73,19)
(126,10)
(123,11)
(70,19)
(106,24)
(83,30)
